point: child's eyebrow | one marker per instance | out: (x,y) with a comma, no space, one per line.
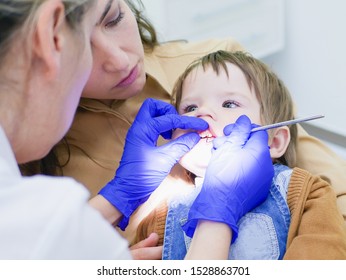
(235,93)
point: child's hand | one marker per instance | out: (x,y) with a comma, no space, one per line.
(144,165)
(237,179)
(147,249)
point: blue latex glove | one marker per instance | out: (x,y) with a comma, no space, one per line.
(237,178)
(144,165)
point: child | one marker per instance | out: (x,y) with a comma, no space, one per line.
(219,88)
(299,219)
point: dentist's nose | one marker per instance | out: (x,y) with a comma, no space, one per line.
(116,60)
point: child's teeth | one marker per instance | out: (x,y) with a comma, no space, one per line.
(205,134)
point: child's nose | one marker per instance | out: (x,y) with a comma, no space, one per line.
(205,112)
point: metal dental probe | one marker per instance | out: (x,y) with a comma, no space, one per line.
(275,125)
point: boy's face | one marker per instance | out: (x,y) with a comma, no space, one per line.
(219,100)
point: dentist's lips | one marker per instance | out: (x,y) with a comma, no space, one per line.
(129,79)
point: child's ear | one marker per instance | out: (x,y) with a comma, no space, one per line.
(279,141)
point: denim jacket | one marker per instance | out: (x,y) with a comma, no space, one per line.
(262,232)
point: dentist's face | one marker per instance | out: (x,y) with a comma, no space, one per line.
(218,99)
(118,55)
(75,64)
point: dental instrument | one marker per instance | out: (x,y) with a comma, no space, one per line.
(290,122)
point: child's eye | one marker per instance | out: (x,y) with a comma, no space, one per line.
(190,108)
(230,104)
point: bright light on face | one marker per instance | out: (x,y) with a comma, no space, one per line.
(197,159)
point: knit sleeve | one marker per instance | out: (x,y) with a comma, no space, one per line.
(317,229)
(154,222)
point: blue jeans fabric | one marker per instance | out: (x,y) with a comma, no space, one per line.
(262,232)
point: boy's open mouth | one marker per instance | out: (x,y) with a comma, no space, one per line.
(207,135)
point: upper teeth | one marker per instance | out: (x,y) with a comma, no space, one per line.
(205,134)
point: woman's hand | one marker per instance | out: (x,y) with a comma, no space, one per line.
(144,165)
(237,179)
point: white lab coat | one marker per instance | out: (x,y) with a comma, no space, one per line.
(45,217)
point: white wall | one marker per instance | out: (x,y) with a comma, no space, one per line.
(313,62)
(256,24)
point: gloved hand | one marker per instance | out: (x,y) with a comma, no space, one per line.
(144,165)
(237,178)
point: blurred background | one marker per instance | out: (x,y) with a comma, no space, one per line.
(303,41)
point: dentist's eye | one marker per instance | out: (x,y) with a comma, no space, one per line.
(230,104)
(190,108)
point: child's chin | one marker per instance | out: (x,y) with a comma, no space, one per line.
(198,171)
(195,164)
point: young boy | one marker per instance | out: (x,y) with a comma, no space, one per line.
(220,87)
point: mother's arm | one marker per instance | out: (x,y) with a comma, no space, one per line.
(313,155)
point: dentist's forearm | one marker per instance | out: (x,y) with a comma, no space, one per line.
(108,211)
